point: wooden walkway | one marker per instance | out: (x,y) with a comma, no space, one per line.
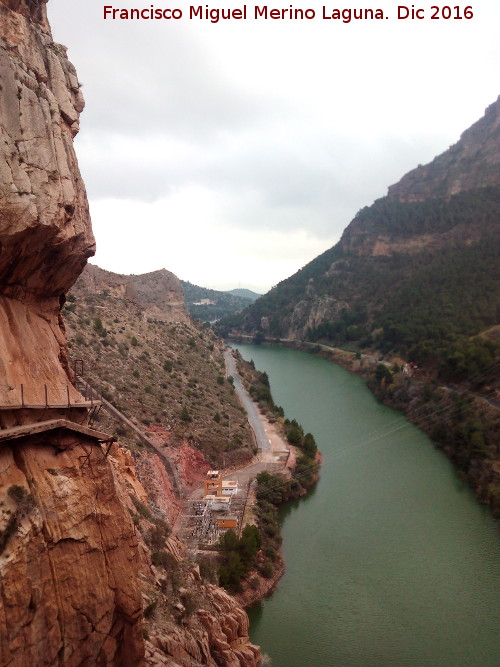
(8,434)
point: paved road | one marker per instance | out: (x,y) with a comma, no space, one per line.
(252,412)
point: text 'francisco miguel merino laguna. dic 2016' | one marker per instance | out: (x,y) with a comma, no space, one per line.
(290,13)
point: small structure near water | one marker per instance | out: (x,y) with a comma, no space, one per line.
(214,485)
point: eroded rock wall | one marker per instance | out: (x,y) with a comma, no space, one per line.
(473,162)
(75,569)
(69,592)
(45,231)
(216,635)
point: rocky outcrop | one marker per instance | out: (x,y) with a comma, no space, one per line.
(158,295)
(309,313)
(217,636)
(45,232)
(261,587)
(473,162)
(69,593)
(75,568)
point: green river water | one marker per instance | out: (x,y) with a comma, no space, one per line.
(390,560)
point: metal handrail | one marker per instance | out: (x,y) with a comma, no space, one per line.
(44,396)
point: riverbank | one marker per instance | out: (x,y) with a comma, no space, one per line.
(386,546)
(278,460)
(466,427)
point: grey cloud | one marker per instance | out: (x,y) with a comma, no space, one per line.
(311,183)
(153,78)
(274,159)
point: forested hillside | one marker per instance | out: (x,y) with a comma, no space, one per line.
(414,274)
(414,278)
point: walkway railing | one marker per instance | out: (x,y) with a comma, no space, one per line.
(60,395)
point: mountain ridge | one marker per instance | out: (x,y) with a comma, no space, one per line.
(209,305)
(473,162)
(410,299)
(348,294)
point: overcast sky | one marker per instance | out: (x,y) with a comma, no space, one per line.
(234,153)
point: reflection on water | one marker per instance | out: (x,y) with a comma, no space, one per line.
(390,560)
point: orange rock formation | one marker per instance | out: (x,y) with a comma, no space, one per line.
(45,232)
(71,558)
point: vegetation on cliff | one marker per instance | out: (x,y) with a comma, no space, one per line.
(239,556)
(165,374)
(422,304)
(414,274)
(464,425)
(414,279)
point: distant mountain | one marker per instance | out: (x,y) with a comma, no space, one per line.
(209,305)
(244,293)
(416,273)
(136,343)
(158,293)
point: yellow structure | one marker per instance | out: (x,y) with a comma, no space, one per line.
(227,522)
(213,484)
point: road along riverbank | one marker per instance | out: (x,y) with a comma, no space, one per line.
(261,487)
(463,421)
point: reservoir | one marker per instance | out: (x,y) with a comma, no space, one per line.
(390,561)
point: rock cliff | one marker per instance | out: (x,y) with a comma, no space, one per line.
(472,165)
(69,593)
(76,572)
(473,162)
(45,232)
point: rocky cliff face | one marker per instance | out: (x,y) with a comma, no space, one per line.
(471,165)
(69,593)
(473,162)
(75,568)
(45,233)
(216,635)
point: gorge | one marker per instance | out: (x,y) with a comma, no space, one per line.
(91,571)
(413,287)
